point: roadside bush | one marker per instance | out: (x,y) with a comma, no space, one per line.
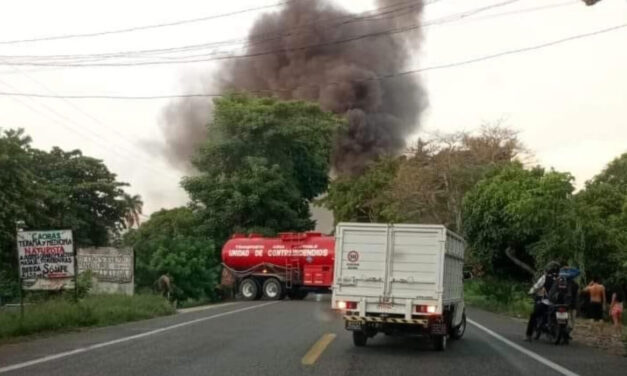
(61,314)
(498,295)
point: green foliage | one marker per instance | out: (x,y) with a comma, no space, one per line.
(602,209)
(364,197)
(427,184)
(438,172)
(19,200)
(81,194)
(171,242)
(498,295)
(55,190)
(84,283)
(529,213)
(263,162)
(63,314)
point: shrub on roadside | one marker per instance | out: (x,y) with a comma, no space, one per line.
(498,295)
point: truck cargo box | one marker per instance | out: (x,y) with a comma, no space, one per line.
(399,273)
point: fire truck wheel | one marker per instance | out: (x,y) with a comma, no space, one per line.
(249,289)
(272,289)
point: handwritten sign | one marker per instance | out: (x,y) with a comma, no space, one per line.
(46,259)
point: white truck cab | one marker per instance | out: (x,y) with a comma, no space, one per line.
(400,279)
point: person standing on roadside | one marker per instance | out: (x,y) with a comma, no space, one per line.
(616,311)
(597,298)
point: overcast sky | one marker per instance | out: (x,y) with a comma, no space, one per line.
(569,101)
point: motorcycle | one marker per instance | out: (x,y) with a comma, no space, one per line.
(555,325)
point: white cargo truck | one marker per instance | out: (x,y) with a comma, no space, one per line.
(399,279)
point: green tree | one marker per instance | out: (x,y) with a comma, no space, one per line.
(171,242)
(80,194)
(264,161)
(437,173)
(19,201)
(365,197)
(517,219)
(428,183)
(602,210)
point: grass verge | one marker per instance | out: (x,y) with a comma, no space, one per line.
(95,310)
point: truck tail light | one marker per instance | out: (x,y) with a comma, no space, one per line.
(561,309)
(425,309)
(346,305)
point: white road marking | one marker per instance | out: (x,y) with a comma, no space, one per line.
(554,366)
(203,308)
(123,339)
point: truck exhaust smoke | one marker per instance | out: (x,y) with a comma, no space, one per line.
(313,50)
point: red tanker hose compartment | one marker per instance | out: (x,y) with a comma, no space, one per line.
(317,275)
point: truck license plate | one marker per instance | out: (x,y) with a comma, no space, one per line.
(385,305)
(353,325)
(561,315)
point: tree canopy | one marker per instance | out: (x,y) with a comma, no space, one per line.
(517,218)
(365,197)
(602,209)
(171,242)
(264,161)
(427,184)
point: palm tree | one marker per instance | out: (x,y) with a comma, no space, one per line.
(133,206)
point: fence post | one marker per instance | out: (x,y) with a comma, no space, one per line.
(21,300)
(75,269)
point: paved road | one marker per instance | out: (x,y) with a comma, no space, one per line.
(268,338)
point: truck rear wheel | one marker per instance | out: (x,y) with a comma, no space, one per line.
(439,342)
(459,330)
(360,338)
(272,289)
(249,289)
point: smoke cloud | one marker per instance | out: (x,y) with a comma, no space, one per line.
(342,76)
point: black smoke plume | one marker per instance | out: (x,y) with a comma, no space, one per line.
(312,50)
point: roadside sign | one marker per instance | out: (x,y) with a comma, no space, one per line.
(46,259)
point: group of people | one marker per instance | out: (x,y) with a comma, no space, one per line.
(557,286)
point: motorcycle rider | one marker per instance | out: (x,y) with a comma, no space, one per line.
(563,292)
(541,302)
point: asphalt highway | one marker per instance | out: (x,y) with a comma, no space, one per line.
(293,338)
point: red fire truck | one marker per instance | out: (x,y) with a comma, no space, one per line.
(292,264)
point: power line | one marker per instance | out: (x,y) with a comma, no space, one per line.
(83,59)
(427,24)
(374,14)
(95,138)
(145,27)
(379,77)
(283,50)
(156,26)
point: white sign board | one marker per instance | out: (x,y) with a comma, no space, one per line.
(46,259)
(111,269)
